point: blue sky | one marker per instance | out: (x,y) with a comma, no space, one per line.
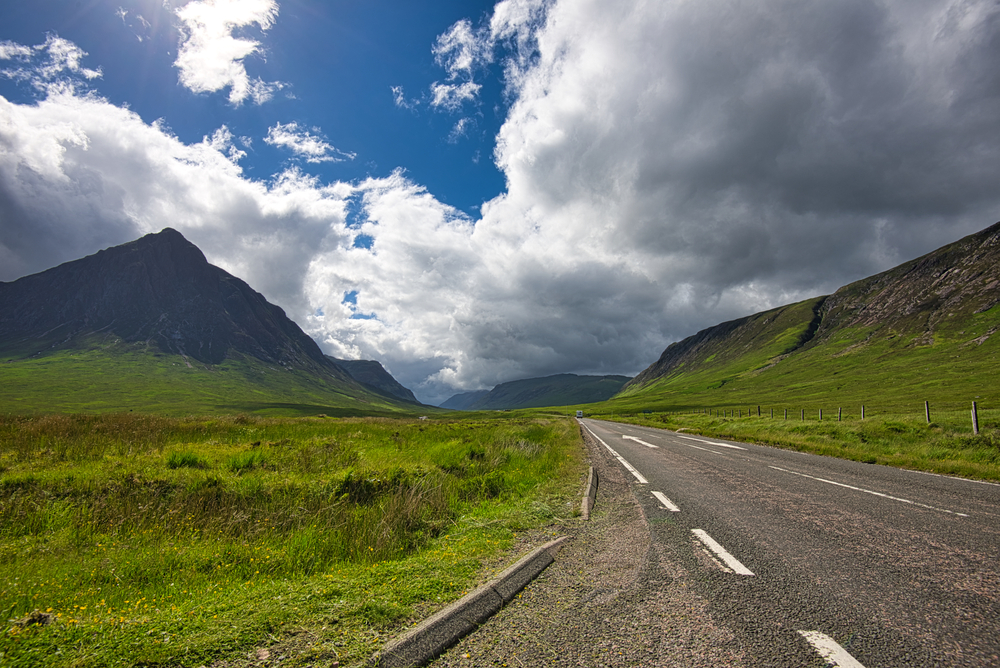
(473,193)
(338,62)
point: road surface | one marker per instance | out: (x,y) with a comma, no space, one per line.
(814,561)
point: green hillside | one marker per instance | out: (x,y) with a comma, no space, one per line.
(894,372)
(923,331)
(122,377)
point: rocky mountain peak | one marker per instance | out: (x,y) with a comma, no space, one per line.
(161,290)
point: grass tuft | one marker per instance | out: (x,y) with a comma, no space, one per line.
(250,460)
(187,459)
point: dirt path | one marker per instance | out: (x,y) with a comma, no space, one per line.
(612,598)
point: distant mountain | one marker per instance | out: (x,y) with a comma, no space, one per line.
(465,400)
(373,375)
(565,389)
(158,296)
(924,327)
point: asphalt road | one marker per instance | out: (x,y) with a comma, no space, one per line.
(814,561)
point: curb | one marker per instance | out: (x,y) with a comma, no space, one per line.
(443,629)
(589,495)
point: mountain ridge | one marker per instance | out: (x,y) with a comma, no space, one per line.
(564,389)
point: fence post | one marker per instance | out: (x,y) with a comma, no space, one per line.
(975,419)
(772,413)
(803,415)
(758,411)
(821,415)
(786,413)
(862,412)
(927,411)
(840,414)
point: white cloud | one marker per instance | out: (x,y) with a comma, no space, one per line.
(10,50)
(460,129)
(49,66)
(463,51)
(453,96)
(222,141)
(261,91)
(304,144)
(400,99)
(460,50)
(210,57)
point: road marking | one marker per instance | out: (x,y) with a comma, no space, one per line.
(835,655)
(698,447)
(951,477)
(639,440)
(701,440)
(667,503)
(720,552)
(868,491)
(631,469)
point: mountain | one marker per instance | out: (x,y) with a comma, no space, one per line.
(923,328)
(564,389)
(465,400)
(126,316)
(373,375)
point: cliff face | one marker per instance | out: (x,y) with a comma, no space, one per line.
(912,301)
(159,289)
(956,281)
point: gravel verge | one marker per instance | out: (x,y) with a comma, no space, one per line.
(613,597)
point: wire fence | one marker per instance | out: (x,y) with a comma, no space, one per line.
(960,416)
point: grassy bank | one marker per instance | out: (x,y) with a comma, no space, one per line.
(128,540)
(946,445)
(120,377)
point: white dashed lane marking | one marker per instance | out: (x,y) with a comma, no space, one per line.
(639,440)
(834,655)
(667,503)
(701,440)
(730,561)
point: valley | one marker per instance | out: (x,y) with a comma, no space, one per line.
(153,495)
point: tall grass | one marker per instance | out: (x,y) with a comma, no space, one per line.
(123,528)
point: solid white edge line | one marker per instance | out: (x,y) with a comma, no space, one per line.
(872,492)
(720,552)
(667,503)
(631,469)
(701,440)
(640,441)
(951,477)
(828,648)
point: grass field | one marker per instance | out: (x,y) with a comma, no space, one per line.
(130,539)
(122,377)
